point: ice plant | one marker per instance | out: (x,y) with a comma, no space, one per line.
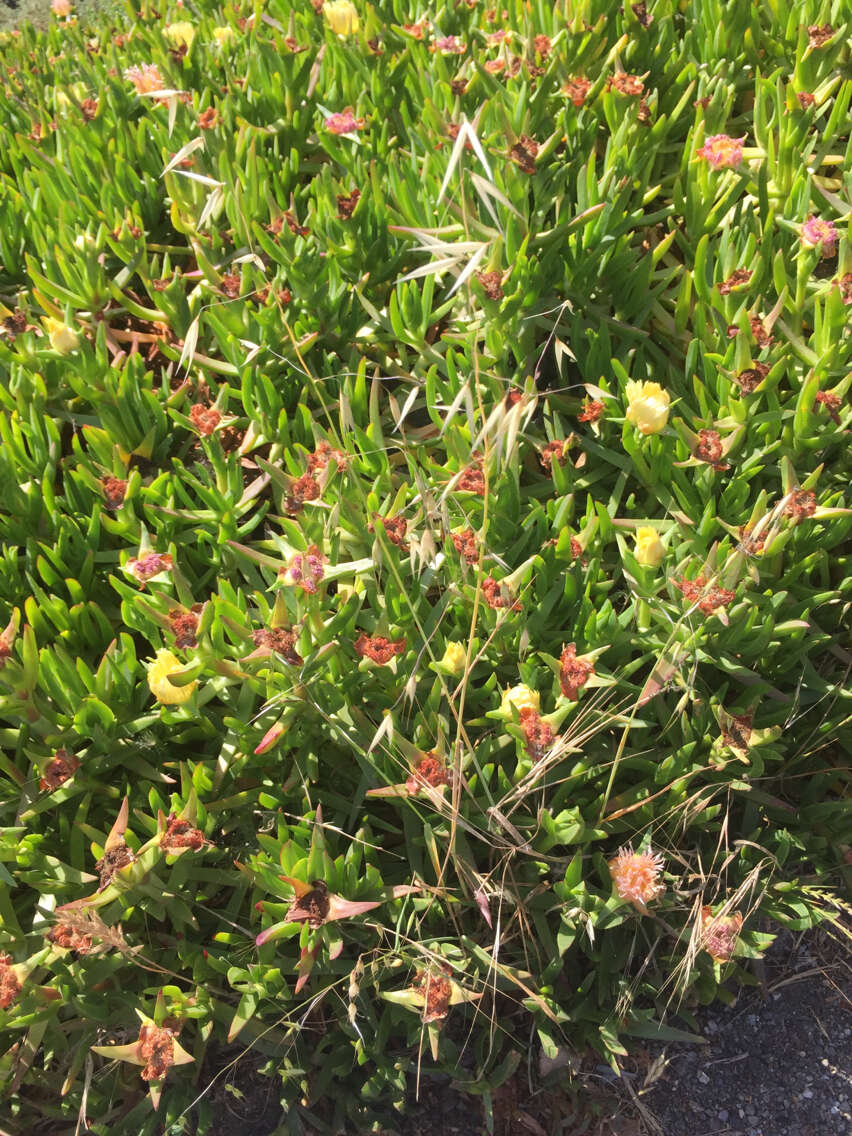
(521,697)
(431,995)
(647,406)
(719,934)
(819,234)
(176,835)
(574,671)
(709,598)
(7,636)
(63,339)
(114,490)
(636,876)
(576,89)
(537,733)
(342,17)
(466,546)
(61,7)
(553,451)
(649,550)
(722,152)
(592,410)
(184,626)
(68,938)
(164,691)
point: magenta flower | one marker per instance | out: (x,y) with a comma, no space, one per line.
(722,152)
(819,234)
(344,122)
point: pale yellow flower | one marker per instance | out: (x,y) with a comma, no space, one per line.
(647,406)
(342,17)
(649,548)
(522,698)
(454,658)
(180,34)
(224,36)
(62,338)
(158,680)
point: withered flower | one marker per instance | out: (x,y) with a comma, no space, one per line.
(379,648)
(736,280)
(114,490)
(832,403)
(625,84)
(576,89)
(708,597)
(751,378)
(58,770)
(762,337)
(719,934)
(323,455)
(592,410)
(184,626)
(553,451)
(156,1050)
(465,545)
(150,565)
(491,283)
(10,984)
(819,35)
(180,836)
(429,770)
(69,938)
(574,671)
(708,448)
(524,153)
(472,480)
(497,595)
(802,504)
(395,530)
(304,488)
(346,204)
(539,736)
(279,641)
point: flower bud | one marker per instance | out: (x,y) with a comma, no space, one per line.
(647,407)
(180,34)
(454,658)
(62,338)
(649,548)
(224,36)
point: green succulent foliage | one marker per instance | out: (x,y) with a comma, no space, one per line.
(329,417)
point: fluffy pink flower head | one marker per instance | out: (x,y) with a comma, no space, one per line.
(820,234)
(146,78)
(344,122)
(636,876)
(722,152)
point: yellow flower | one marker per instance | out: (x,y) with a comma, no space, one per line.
(454,658)
(647,406)
(181,34)
(649,548)
(158,680)
(342,17)
(62,338)
(522,698)
(224,36)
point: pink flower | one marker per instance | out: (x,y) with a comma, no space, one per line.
(816,233)
(305,570)
(146,78)
(636,876)
(722,152)
(344,122)
(449,45)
